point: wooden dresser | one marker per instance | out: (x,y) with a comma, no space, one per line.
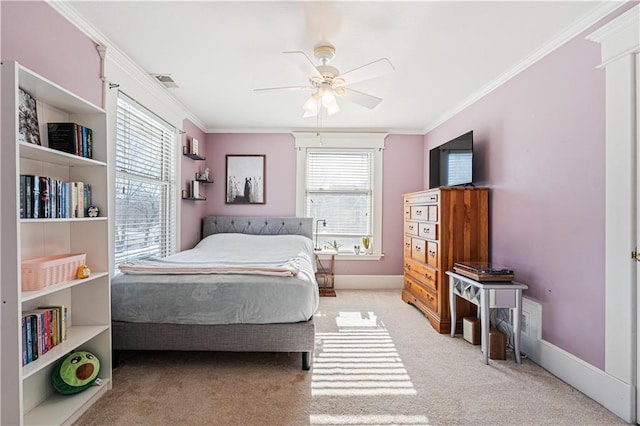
(442,226)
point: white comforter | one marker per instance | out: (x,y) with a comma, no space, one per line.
(217,298)
(232,254)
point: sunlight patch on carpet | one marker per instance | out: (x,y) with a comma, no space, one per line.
(360,359)
(372,419)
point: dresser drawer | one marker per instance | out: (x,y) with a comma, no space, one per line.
(432,254)
(407,246)
(433,214)
(411,227)
(419,250)
(407,212)
(421,293)
(419,212)
(422,273)
(428,230)
(421,199)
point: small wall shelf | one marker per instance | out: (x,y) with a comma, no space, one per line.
(204,181)
(195,198)
(194,156)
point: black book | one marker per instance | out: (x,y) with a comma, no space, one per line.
(28,196)
(23,196)
(63,137)
(35,197)
(45,211)
(89,143)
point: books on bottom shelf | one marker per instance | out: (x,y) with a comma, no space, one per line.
(43,329)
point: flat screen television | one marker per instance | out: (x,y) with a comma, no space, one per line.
(451,163)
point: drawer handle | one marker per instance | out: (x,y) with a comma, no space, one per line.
(419,212)
(406,265)
(432,253)
(407,245)
(428,277)
(418,248)
(426,230)
(411,227)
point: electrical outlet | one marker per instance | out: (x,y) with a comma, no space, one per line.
(525,323)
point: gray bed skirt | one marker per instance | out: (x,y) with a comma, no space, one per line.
(285,337)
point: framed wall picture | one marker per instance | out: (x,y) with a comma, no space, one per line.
(245,179)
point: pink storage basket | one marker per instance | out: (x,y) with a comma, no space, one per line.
(45,271)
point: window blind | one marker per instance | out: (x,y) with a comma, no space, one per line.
(339,189)
(145,220)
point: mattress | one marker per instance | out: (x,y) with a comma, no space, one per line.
(223,298)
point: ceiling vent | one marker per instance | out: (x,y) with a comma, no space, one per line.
(166,80)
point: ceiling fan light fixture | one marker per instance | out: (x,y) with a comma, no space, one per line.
(328,98)
(332,109)
(311,105)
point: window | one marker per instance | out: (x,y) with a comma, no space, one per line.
(145,183)
(340,182)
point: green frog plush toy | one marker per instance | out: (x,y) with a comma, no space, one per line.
(76,372)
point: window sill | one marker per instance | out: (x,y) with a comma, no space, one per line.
(351,256)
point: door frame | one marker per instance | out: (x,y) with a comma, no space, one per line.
(620,45)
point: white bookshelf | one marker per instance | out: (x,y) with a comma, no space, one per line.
(27,396)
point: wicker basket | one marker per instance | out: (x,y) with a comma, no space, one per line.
(45,271)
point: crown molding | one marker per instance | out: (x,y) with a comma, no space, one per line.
(620,37)
(314,130)
(119,58)
(604,9)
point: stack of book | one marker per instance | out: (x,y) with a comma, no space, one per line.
(483,271)
(42,329)
(72,138)
(46,197)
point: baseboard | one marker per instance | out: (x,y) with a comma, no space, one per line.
(368,282)
(615,395)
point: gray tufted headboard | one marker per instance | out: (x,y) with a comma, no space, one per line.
(257,225)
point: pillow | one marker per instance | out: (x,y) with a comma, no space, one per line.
(75,373)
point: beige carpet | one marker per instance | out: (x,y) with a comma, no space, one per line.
(377,362)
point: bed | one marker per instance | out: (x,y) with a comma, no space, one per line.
(249,326)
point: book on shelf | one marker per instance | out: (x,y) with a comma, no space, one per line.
(28,130)
(46,197)
(71,138)
(42,329)
(22,196)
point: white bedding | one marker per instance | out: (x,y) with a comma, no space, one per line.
(231,298)
(232,254)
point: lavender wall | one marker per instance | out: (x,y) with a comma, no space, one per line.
(403,168)
(192,211)
(39,38)
(540,143)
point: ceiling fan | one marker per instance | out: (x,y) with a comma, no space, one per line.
(327,83)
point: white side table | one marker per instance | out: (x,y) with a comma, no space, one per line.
(478,293)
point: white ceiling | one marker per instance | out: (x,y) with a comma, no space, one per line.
(445,54)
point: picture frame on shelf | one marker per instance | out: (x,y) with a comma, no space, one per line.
(245,179)
(28,130)
(193,146)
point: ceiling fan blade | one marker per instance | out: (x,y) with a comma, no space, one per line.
(284,88)
(368,101)
(304,63)
(368,71)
